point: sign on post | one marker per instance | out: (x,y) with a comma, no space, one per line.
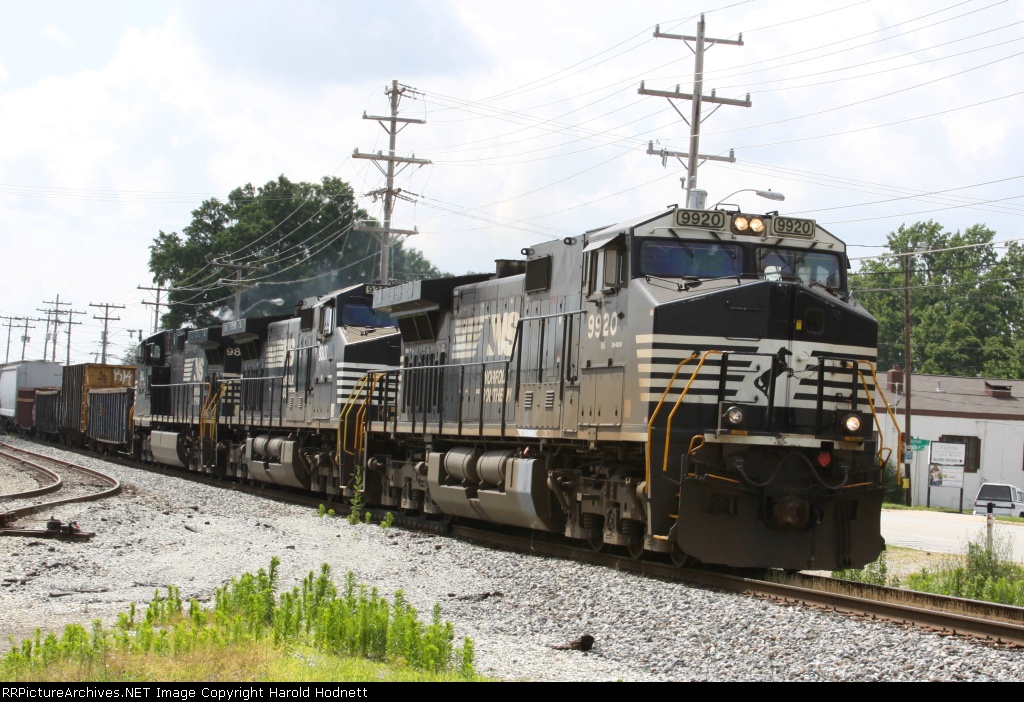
(946,464)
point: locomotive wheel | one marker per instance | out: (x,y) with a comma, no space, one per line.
(596,543)
(681,559)
(636,550)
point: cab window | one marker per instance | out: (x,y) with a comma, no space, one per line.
(607,269)
(673,258)
(364,316)
(796,264)
(327,323)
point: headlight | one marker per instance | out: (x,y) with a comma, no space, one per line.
(740,224)
(851,423)
(756,225)
(734,416)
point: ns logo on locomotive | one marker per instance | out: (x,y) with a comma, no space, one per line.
(697,383)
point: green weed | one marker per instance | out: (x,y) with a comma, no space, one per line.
(876,573)
(976,574)
(355,514)
(355,621)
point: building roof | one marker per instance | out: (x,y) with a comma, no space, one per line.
(951,396)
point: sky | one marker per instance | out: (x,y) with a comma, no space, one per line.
(117,119)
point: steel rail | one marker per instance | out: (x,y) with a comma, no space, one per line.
(56,481)
(995,623)
(114,483)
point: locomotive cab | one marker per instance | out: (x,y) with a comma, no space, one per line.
(755,338)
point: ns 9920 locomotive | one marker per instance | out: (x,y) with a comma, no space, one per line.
(696,383)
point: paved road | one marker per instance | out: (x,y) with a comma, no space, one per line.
(941,532)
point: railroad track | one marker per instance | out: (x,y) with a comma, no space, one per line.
(997,624)
(70,482)
(994,623)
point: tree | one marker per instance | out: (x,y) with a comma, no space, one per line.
(300,239)
(963,306)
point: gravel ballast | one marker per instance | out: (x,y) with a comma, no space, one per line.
(163,530)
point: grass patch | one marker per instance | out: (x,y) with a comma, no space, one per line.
(313,632)
(978,573)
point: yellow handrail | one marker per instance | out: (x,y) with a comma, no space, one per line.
(889,410)
(361,414)
(668,424)
(654,414)
(207,415)
(343,416)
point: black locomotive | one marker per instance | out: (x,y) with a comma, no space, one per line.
(696,383)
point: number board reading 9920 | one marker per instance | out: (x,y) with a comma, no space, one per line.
(791,226)
(705,219)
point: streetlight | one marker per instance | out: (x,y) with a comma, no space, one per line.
(276,301)
(767,194)
(908,437)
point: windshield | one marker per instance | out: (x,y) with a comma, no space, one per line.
(806,265)
(363,316)
(666,258)
(994,492)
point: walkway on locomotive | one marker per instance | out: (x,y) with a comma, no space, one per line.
(280,371)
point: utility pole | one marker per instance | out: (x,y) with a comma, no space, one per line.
(237,282)
(10,324)
(391,124)
(24,337)
(106,321)
(695,199)
(156,314)
(71,323)
(56,312)
(46,337)
(908,437)
(906,378)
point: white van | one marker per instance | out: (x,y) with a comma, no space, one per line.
(1007,500)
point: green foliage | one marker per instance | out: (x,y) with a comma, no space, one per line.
(964,302)
(876,573)
(356,502)
(389,521)
(977,574)
(356,621)
(313,248)
(321,511)
(894,492)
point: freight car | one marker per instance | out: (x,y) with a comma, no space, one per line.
(19,383)
(697,383)
(90,407)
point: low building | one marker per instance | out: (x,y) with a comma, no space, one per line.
(985,415)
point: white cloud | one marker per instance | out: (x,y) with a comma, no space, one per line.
(168,114)
(57,36)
